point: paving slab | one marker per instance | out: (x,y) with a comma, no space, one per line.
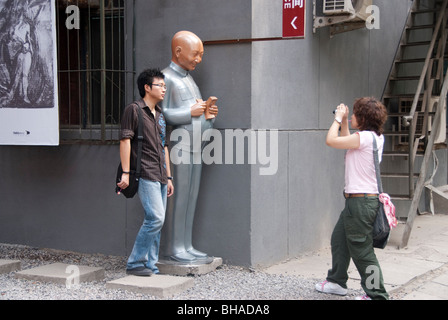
(188,269)
(443,279)
(420,296)
(62,273)
(398,270)
(428,291)
(427,252)
(7,266)
(161,286)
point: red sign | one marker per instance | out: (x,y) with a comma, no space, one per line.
(293,18)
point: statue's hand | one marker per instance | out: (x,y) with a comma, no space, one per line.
(198,108)
(214,110)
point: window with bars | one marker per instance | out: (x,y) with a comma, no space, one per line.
(91,70)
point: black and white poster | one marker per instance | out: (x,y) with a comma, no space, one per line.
(28,73)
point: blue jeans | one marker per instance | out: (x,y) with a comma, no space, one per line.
(145,253)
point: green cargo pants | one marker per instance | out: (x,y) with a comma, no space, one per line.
(352,238)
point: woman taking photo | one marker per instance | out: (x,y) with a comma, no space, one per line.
(352,235)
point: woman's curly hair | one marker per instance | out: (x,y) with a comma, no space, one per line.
(370,114)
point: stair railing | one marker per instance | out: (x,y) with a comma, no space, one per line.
(422,176)
(411,118)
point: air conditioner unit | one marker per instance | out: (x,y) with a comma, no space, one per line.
(341,15)
(338,7)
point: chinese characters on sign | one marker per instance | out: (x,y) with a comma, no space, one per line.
(291,4)
(293,18)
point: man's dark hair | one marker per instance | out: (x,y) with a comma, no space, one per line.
(147,77)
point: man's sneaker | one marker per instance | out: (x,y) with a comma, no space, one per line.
(330,287)
(364,297)
(139,271)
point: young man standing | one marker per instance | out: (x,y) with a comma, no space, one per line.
(155,184)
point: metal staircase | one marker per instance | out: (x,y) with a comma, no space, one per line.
(415,97)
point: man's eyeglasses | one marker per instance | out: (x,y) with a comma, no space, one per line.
(159,85)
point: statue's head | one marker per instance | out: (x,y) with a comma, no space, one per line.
(187,50)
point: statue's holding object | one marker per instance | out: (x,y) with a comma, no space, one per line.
(184,108)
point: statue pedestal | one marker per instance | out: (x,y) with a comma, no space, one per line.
(169,267)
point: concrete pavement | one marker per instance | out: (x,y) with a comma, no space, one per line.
(417,272)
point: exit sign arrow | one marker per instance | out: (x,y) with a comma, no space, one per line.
(292,23)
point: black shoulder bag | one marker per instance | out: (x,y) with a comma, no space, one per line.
(134,175)
(381,227)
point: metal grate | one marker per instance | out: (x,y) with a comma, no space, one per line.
(91,69)
(334,5)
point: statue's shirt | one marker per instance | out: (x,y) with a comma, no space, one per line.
(182,93)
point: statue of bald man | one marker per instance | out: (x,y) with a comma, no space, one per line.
(184,109)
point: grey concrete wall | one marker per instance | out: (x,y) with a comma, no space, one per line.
(62,197)
(302,81)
